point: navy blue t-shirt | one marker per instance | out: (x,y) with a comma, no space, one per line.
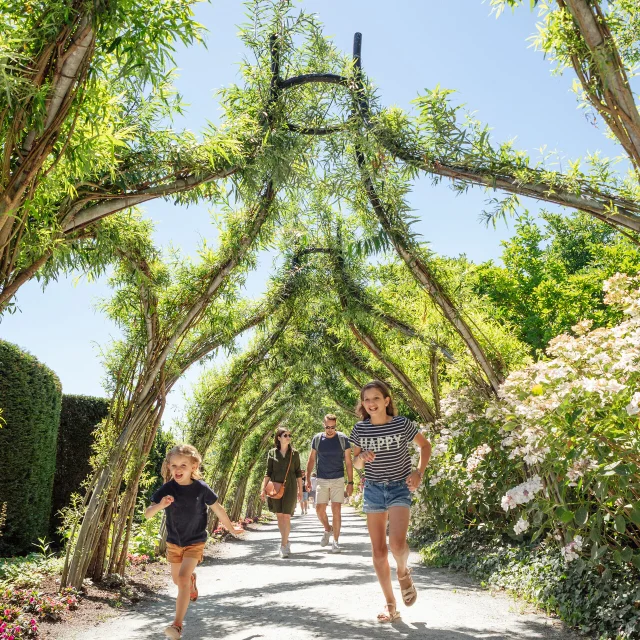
(330,455)
(187,515)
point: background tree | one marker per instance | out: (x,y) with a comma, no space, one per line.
(552,276)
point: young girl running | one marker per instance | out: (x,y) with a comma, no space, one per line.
(381,446)
(186,498)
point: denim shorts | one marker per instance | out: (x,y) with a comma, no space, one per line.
(379,496)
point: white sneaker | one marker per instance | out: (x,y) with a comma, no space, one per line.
(325,538)
(336,548)
(284,552)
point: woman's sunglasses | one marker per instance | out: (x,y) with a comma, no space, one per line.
(285,435)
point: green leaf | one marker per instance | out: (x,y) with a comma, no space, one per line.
(601,552)
(636,561)
(564,515)
(620,523)
(114,44)
(627,554)
(537,534)
(582,515)
(634,515)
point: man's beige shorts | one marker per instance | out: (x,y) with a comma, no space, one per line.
(330,491)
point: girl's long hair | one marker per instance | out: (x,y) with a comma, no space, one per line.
(186,450)
(386,393)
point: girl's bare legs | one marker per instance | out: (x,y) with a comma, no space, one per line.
(284,525)
(377,525)
(398,527)
(181,574)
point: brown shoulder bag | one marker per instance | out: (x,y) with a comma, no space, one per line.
(275,490)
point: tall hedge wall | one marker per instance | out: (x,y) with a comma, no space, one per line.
(30,395)
(78,420)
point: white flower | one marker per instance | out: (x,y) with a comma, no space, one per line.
(433,481)
(521,526)
(476,487)
(472,463)
(458,457)
(578,468)
(483,450)
(572,550)
(508,502)
(521,494)
(508,441)
(533,455)
(439,449)
(491,412)
(582,327)
(633,407)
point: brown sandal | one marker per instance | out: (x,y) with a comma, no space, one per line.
(409,593)
(389,614)
(193,595)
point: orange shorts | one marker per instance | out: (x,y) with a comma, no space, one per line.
(177,554)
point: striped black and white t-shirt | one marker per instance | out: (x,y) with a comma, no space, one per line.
(390,442)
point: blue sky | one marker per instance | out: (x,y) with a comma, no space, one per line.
(407,46)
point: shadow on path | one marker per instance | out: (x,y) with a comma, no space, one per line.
(247,592)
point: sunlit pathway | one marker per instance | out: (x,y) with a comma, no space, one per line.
(247,592)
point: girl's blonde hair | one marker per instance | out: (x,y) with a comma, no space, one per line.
(186,450)
(386,393)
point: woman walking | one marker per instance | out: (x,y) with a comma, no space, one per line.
(381,445)
(283,467)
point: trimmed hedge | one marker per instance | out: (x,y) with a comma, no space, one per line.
(30,395)
(78,419)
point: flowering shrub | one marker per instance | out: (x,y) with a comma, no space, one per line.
(17,630)
(20,609)
(137,559)
(557,456)
(221,532)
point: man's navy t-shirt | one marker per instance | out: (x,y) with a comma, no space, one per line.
(330,456)
(187,515)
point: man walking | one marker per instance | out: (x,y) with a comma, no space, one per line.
(332,451)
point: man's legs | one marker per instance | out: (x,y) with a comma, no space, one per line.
(336,510)
(321,511)
(323,497)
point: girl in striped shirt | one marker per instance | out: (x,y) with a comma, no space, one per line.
(381,444)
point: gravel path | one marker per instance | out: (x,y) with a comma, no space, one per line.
(247,592)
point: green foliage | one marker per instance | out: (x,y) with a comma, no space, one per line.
(554,460)
(30,397)
(152,478)
(28,572)
(552,276)
(145,534)
(580,595)
(79,417)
